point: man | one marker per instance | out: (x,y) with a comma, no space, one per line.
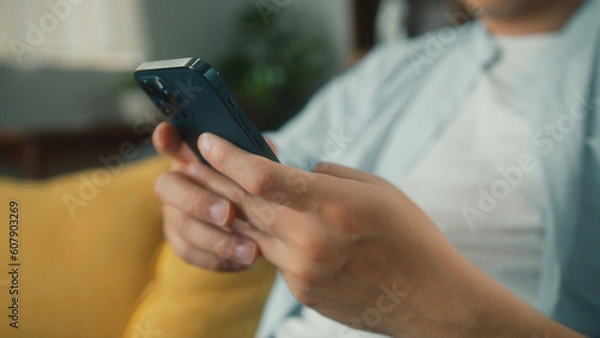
(491,131)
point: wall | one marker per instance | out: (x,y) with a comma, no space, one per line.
(36,99)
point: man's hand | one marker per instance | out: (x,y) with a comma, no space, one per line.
(199,229)
(345,241)
(349,245)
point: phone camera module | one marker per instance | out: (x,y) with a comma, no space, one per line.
(147,85)
(159,84)
(153,85)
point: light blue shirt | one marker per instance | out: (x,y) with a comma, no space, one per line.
(383,116)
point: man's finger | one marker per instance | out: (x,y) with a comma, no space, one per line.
(257,175)
(229,246)
(167,142)
(255,210)
(195,256)
(344,172)
(177,191)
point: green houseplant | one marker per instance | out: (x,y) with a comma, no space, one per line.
(272,69)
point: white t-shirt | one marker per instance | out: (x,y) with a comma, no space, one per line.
(480,184)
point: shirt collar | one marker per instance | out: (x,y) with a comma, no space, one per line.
(576,32)
(482,46)
(582,30)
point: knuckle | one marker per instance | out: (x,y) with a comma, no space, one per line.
(245,229)
(310,247)
(194,203)
(260,181)
(172,219)
(184,226)
(341,215)
(161,183)
(321,167)
(263,214)
(217,264)
(317,252)
(218,160)
(335,210)
(225,248)
(281,198)
(185,251)
(299,180)
(237,195)
(168,225)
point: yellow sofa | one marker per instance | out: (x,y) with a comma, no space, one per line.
(82,255)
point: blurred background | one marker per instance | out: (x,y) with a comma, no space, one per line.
(67,95)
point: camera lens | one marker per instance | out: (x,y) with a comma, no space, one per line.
(167,109)
(154,86)
(148,87)
(158,84)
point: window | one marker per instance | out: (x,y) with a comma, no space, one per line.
(99,34)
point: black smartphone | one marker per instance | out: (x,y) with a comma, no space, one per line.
(192,96)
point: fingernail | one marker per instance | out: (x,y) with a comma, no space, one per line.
(245,252)
(192,170)
(218,212)
(205,143)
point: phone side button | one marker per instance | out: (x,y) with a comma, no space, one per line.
(214,78)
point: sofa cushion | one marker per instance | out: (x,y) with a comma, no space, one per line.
(183,301)
(85,245)
(90,261)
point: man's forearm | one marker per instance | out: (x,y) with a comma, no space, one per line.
(473,304)
(502,314)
